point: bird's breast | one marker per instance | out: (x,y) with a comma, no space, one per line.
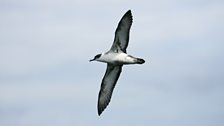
(118,58)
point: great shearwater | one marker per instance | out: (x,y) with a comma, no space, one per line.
(115,58)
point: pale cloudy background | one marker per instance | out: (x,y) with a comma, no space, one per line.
(46,79)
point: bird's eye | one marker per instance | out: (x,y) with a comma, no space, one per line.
(97,56)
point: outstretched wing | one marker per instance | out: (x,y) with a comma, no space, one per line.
(107,86)
(122,32)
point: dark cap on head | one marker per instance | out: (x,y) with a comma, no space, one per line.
(96,57)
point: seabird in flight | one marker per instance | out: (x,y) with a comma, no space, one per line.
(115,58)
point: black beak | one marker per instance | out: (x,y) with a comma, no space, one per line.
(91,60)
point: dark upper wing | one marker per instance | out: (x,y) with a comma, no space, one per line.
(122,32)
(108,83)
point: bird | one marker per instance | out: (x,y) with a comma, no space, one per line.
(115,58)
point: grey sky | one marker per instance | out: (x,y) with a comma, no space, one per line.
(46,79)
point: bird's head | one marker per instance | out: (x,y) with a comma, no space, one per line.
(96,57)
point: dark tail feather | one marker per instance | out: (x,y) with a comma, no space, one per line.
(140,61)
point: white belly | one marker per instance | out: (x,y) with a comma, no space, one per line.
(118,58)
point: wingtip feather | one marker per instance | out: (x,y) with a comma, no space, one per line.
(102,106)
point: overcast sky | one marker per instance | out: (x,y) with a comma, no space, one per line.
(46,79)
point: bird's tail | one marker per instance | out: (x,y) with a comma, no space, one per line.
(140,61)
